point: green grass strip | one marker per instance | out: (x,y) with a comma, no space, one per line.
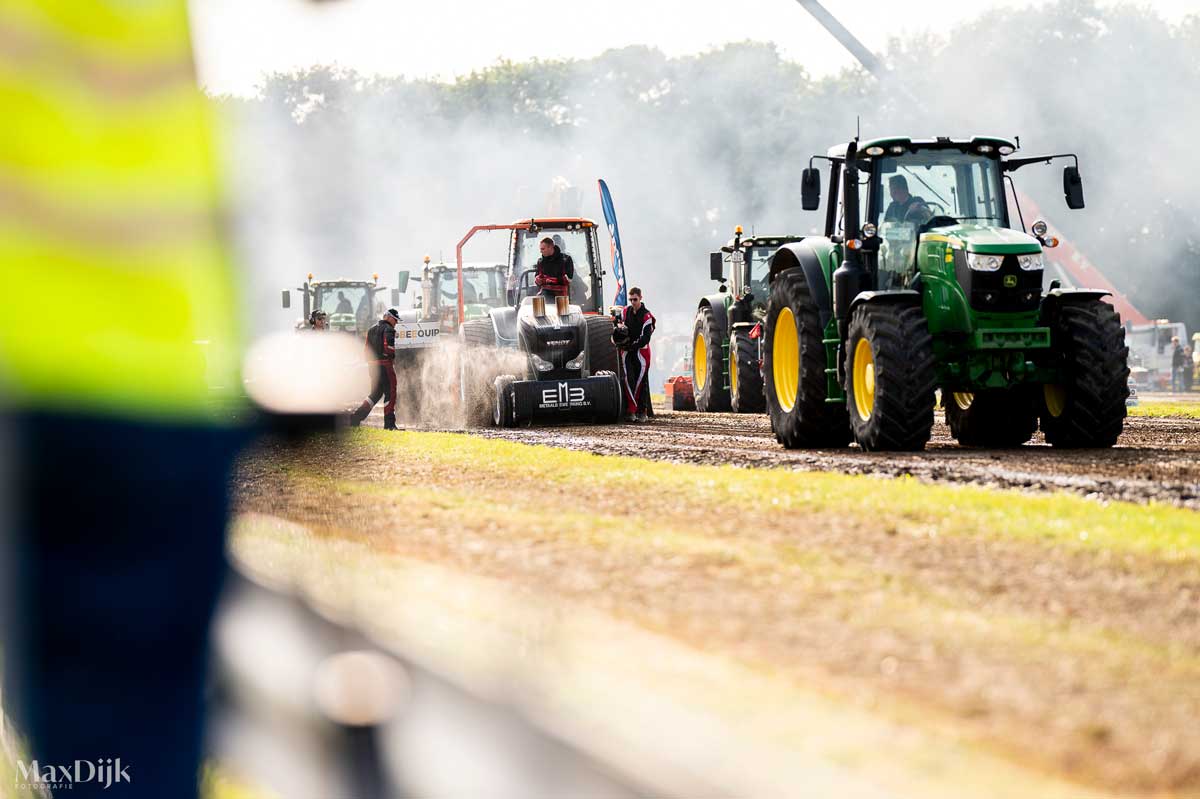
(900,505)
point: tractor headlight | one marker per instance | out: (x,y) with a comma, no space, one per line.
(984,263)
(869,230)
(540,363)
(577,361)
(1039,228)
(1031,263)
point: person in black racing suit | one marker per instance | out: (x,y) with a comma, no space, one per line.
(633,336)
(381,354)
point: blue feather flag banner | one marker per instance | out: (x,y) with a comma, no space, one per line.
(614,235)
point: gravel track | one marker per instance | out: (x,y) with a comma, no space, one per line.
(1156,459)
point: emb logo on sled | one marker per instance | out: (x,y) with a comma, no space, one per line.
(564,396)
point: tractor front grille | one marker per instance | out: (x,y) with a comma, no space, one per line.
(1009,288)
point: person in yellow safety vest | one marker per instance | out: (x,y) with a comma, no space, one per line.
(117,455)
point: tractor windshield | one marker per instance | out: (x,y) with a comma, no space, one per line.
(916,187)
(480,287)
(759,271)
(347,306)
(942,186)
(575,243)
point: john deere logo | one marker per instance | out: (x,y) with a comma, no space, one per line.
(1010,281)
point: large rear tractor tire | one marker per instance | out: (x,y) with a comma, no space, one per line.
(890,377)
(708,364)
(997,419)
(1087,409)
(794,370)
(745,375)
(476,359)
(602,353)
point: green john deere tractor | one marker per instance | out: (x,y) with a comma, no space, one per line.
(727,333)
(922,282)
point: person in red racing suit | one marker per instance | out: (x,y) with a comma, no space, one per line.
(555,270)
(381,354)
(639,326)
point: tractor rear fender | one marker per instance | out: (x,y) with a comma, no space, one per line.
(719,311)
(892,297)
(801,255)
(504,320)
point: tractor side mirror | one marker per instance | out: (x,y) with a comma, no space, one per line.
(810,189)
(401,282)
(716,266)
(395,298)
(287,299)
(1073,187)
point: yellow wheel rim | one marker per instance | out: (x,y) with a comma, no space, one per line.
(864,379)
(785,360)
(699,362)
(733,366)
(1056,399)
(963,399)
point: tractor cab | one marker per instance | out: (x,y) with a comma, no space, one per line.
(749,260)
(932,215)
(352,306)
(484,288)
(577,238)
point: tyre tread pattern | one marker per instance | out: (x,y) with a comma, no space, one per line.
(715,396)
(749,397)
(812,422)
(602,353)
(905,377)
(1091,342)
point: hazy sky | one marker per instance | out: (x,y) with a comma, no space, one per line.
(237,42)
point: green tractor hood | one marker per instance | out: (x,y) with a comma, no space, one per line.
(985,239)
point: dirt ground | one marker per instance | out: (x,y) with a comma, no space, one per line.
(1156,459)
(1083,663)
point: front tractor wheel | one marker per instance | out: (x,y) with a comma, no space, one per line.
(890,377)
(998,419)
(745,375)
(1087,407)
(793,370)
(708,364)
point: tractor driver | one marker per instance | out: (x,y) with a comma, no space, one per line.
(343,305)
(555,269)
(904,206)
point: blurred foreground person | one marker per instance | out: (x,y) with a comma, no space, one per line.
(117,463)
(318,320)
(381,355)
